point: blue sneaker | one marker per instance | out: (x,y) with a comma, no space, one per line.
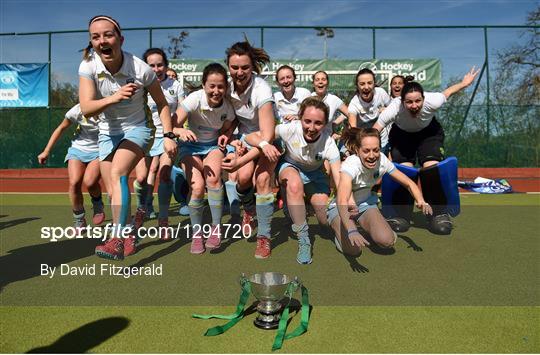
(184,209)
(304,253)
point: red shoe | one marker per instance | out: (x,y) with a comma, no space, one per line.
(248,224)
(130,245)
(263,250)
(98,218)
(163,224)
(197,244)
(214,241)
(111,249)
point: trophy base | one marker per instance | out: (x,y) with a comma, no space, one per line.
(266,325)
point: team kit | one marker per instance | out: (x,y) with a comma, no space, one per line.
(233,146)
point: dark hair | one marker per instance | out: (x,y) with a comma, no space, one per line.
(258,56)
(213,68)
(411,86)
(320,71)
(353,136)
(159,51)
(313,101)
(285,67)
(405,79)
(88,49)
(362,72)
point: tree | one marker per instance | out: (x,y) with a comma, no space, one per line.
(177,45)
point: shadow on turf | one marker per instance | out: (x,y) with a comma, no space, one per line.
(25,263)
(86,337)
(411,243)
(16,222)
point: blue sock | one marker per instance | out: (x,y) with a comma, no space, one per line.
(125,200)
(196,209)
(265,209)
(165,190)
(215,200)
(233,197)
(149,200)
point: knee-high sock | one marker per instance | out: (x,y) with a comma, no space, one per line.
(141,190)
(149,200)
(301,231)
(397,200)
(439,187)
(265,210)
(165,190)
(247,199)
(233,197)
(215,200)
(196,209)
(125,201)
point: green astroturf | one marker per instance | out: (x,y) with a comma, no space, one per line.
(474,291)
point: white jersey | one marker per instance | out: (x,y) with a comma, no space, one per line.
(397,113)
(87,131)
(368,112)
(126,114)
(363,178)
(172,90)
(285,107)
(247,104)
(203,120)
(307,156)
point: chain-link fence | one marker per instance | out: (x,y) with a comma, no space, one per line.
(491,125)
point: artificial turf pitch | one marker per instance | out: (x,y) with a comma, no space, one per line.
(476,291)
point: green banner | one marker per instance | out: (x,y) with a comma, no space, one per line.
(342,72)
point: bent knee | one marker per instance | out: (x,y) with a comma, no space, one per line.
(387,240)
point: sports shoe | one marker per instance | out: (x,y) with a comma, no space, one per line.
(184,209)
(150,213)
(304,253)
(263,249)
(80,224)
(163,224)
(441,224)
(99,214)
(138,219)
(197,244)
(214,241)
(247,220)
(111,249)
(130,245)
(398,224)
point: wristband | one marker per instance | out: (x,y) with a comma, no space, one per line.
(352,232)
(263,144)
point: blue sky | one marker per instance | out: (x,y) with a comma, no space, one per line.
(458,49)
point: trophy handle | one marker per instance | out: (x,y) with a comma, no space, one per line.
(243,279)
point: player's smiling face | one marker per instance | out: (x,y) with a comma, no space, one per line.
(313,121)
(156,62)
(106,41)
(414,101)
(320,84)
(369,152)
(395,86)
(285,79)
(215,88)
(240,67)
(366,87)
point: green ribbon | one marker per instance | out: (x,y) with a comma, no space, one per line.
(234,318)
(304,319)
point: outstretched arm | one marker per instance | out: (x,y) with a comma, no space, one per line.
(55,136)
(468,79)
(413,190)
(343,193)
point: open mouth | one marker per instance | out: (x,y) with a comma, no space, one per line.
(106,50)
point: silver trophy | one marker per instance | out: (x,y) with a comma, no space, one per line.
(270,289)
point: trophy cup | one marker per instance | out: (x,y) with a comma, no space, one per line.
(270,288)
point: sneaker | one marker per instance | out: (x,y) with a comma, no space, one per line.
(214,241)
(163,224)
(247,220)
(184,210)
(398,224)
(130,245)
(441,224)
(150,213)
(111,249)
(304,253)
(99,214)
(263,250)
(197,244)
(138,219)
